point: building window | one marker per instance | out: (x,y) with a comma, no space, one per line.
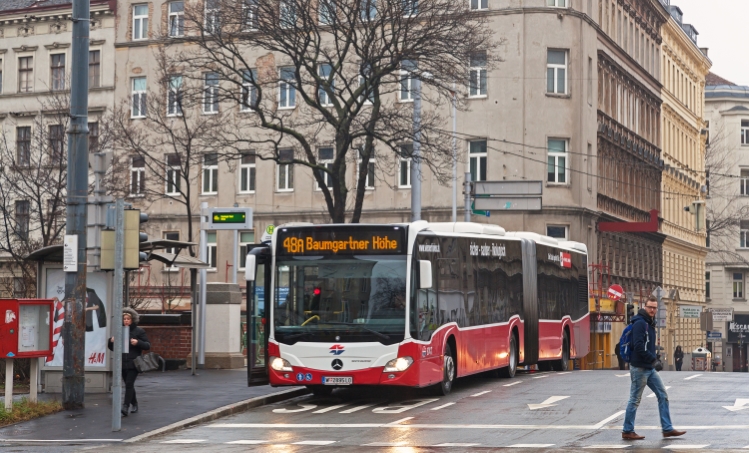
(26,74)
(57,71)
(23,146)
(325,157)
(137,176)
(323,71)
(1,76)
(176,19)
(477,82)
(174,96)
(140,22)
(368,94)
(249,11)
(369,178)
(744,238)
(707,285)
(139,98)
(285,179)
(368,10)
(94,69)
(22,219)
(210,245)
(744,132)
(558,231)
(246,239)
(744,182)
(247,173)
(287,10)
(738,285)
(210,173)
(557,3)
(212,17)
(479,4)
(210,93)
(173,174)
(56,143)
(558,162)
(477,155)
(326,12)
(286,90)
(171,236)
(93,137)
(406,78)
(404,166)
(556,71)
(249,91)
(410,8)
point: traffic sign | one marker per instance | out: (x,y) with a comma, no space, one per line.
(615,292)
(714,335)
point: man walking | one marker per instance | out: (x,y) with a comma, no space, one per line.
(642,373)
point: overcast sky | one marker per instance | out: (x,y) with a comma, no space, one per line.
(723,28)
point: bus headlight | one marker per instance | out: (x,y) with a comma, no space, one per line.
(279,364)
(399,364)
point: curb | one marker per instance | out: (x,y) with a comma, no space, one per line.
(222,412)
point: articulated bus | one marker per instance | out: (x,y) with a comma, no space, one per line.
(417,304)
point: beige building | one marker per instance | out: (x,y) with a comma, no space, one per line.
(727,112)
(35,61)
(685,67)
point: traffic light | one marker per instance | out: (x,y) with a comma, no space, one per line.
(133,237)
(630,313)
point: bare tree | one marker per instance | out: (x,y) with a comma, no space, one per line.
(321,81)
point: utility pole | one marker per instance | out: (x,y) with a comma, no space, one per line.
(74,328)
(467,192)
(416,159)
(119,252)
(455,154)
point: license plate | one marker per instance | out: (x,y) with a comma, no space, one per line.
(338,380)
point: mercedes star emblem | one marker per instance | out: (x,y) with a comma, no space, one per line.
(337,338)
(337,364)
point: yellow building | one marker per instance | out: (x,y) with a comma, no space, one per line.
(683,72)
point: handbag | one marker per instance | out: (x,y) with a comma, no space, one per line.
(147,362)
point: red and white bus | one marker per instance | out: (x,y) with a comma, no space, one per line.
(416,304)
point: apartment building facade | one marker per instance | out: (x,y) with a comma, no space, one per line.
(684,69)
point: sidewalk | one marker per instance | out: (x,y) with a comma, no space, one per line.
(163,399)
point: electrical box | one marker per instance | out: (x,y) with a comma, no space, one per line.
(26,328)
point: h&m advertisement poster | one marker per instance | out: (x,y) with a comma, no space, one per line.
(97,313)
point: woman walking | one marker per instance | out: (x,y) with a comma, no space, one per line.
(678,358)
(138,344)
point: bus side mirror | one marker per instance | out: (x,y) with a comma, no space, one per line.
(249,268)
(425,274)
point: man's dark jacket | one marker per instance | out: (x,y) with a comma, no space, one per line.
(643,341)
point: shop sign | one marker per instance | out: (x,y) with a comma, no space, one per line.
(722,314)
(690,311)
(738,329)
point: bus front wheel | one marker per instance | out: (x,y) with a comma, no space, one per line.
(448,373)
(511,368)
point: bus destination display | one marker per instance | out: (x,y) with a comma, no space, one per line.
(229,217)
(349,241)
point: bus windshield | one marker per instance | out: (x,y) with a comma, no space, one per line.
(358,298)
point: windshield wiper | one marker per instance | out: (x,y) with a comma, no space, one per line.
(374,332)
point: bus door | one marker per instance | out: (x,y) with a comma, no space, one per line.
(257,274)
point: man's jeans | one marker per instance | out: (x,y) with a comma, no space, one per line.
(640,378)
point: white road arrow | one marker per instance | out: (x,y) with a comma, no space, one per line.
(548,403)
(739,405)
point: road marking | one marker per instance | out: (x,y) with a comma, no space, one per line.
(514,383)
(447,426)
(566,372)
(540,377)
(531,446)
(622,375)
(398,422)
(601,424)
(304,407)
(315,442)
(184,441)
(402,407)
(685,447)
(355,409)
(692,377)
(739,405)
(608,447)
(442,407)
(652,395)
(385,444)
(548,403)
(481,393)
(247,442)
(454,444)
(746,448)
(331,408)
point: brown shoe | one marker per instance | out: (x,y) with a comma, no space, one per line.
(633,436)
(673,433)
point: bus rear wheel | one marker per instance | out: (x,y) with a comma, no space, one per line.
(448,373)
(510,370)
(321,390)
(563,364)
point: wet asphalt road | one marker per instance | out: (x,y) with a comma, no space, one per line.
(573,411)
